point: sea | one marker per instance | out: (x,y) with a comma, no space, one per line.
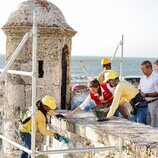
(131,65)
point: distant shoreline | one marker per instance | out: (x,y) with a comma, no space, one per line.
(105,56)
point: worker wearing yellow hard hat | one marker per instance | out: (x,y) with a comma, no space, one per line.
(111,75)
(44,107)
(106,64)
(105,61)
(124,92)
(49,101)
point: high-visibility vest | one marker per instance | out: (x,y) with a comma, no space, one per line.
(26,118)
(107,95)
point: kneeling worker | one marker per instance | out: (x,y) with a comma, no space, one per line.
(100,97)
(126,92)
(44,107)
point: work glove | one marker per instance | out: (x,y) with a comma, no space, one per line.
(56,136)
(61,138)
(59,116)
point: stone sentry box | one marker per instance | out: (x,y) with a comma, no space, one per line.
(53,55)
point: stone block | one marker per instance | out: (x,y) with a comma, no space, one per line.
(134,139)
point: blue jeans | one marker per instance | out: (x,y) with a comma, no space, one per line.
(142,113)
(117,113)
(26,141)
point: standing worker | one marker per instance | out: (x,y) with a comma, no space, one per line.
(126,92)
(106,64)
(148,88)
(44,106)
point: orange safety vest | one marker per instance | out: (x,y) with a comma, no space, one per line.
(107,95)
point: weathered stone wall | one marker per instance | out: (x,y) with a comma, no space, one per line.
(18,88)
(54,40)
(2,92)
(139,141)
(50,45)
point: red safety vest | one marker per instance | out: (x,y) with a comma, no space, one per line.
(108,97)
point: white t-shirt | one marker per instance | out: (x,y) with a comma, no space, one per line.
(149,84)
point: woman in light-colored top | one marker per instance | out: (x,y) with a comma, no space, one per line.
(100,95)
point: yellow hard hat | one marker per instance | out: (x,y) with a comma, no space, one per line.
(105,61)
(49,101)
(110,75)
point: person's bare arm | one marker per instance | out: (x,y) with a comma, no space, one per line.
(72,113)
(154,94)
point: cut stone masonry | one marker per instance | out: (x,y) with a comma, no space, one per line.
(139,141)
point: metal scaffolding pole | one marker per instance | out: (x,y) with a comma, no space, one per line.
(25,73)
(16,144)
(13,57)
(77,150)
(120,147)
(121,62)
(34,75)
(116,51)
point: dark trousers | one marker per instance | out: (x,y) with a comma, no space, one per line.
(98,111)
(124,112)
(141,109)
(26,141)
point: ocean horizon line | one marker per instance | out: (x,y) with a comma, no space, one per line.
(106,56)
(114,57)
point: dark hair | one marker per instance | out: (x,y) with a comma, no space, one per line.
(40,107)
(107,65)
(147,64)
(156,62)
(95,84)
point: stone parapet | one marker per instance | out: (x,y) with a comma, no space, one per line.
(139,141)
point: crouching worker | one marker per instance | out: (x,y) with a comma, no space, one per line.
(101,97)
(44,107)
(126,92)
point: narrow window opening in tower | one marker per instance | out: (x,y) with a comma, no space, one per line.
(40,69)
(64,66)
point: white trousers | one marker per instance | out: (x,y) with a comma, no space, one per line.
(153,113)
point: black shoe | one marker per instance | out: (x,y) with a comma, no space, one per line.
(102,119)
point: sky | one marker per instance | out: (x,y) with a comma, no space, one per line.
(101,23)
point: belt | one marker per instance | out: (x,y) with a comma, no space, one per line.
(137,100)
(150,101)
